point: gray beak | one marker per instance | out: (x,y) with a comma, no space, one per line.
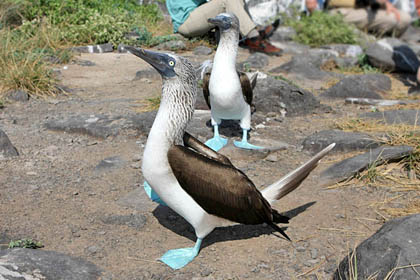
(158,60)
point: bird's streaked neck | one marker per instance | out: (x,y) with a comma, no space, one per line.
(175,111)
(227,49)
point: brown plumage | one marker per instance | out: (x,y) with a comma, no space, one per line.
(219,187)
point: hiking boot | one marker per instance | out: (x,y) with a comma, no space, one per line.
(267,31)
(259,44)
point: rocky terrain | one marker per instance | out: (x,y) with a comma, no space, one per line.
(70,173)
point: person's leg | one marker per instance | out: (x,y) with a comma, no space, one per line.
(246,25)
(379,22)
(358,17)
(196,23)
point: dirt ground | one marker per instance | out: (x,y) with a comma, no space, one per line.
(53,192)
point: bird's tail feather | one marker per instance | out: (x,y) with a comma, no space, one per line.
(276,227)
(292,180)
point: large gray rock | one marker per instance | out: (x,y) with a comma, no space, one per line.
(103,48)
(412,34)
(345,141)
(308,65)
(391,54)
(175,45)
(271,95)
(395,244)
(102,126)
(351,166)
(255,60)
(361,86)
(6,147)
(345,49)
(395,116)
(283,33)
(29,264)
(18,95)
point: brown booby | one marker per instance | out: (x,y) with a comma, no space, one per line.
(228,92)
(196,182)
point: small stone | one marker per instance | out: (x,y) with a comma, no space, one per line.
(272,158)
(314,253)
(300,249)
(206,272)
(92,249)
(340,216)
(18,95)
(310,262)
(202,50)
(136,165)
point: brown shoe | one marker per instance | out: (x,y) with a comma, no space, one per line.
(267,31)
(259,44)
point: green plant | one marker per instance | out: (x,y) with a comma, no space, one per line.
(365,66)
(25,243)
(321,29)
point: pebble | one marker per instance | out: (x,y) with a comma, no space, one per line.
(310,262)
(314,253)
(136,165)
(272,157)
(300,249)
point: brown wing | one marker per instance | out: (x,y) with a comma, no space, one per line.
(246,87)
(195,144)
(206,92)
(219,189)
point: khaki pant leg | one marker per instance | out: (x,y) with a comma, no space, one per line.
(379,22)
(245,22)
(196,23)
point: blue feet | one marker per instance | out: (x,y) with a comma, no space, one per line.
(245,145)
(244,142)
(216,143)
(152,195)
(179,258)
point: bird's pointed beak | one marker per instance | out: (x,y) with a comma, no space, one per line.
(220,21)
(158,60)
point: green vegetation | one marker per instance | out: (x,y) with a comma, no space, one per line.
(25,243)
(37,33)
(321,29)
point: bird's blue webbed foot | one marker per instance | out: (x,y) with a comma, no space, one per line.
(152,194)
(217,142)
(244,142)
(178,258)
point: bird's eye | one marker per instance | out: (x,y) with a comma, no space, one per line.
(171,63)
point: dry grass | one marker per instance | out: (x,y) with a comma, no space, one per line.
(401,177)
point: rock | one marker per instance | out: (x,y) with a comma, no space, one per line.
(395,116)
(134,221)
(273,95)
(283,33)
(360,86)
(378,102)
(395,244)
(346,62)
(255,60)
(39,264)
(18,95)
(110,163)
(102,126)
(6,147)
(345,141)
(411,34)
(82,62)
(103,48)
(175,45)
(291,47)
(351,166)
(202,50)
(390,54)
(345,50)
(308,65)
(121,48)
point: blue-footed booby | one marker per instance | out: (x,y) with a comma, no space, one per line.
(228,92)
(196,182)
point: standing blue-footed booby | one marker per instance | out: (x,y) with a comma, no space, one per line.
(228,92)
(196,182)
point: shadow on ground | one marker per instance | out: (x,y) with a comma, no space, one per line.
(178,225)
